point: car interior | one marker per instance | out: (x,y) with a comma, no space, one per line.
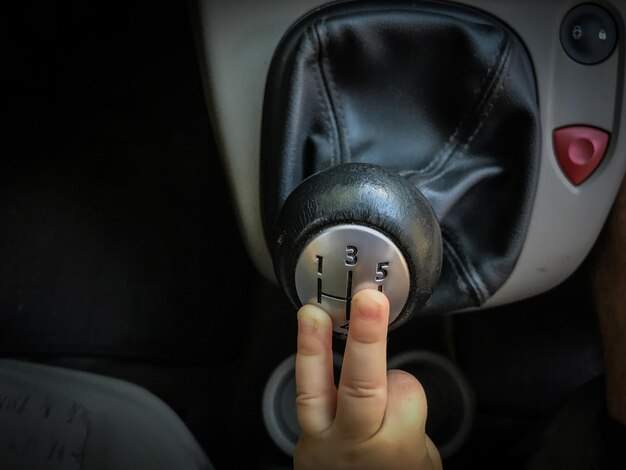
(178,178)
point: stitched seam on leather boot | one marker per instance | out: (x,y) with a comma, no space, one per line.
(333,124)
(485,95)
(335,98)
(321,98)
(321,58)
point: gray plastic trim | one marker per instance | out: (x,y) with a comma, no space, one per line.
(237,40)
(280,433)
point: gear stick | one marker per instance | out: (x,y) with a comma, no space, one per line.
(352,227)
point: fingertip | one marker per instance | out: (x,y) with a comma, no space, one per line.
(312,318)
(370,304)
(314,330)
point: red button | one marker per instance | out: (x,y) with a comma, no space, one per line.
(579,150)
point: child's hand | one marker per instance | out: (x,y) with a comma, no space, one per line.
(375,419)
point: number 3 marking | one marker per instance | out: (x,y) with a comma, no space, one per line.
(351,257)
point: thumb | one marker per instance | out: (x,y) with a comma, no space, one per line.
(407,407)
(406,414)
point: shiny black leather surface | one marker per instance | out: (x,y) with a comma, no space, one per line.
(443,95)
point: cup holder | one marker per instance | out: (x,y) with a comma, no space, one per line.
(450,400)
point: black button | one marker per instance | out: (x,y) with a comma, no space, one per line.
(588,34)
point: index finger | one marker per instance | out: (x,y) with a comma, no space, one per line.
(315,383)
(362,392)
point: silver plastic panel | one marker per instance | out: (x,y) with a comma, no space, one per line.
(237,40)
(341,261)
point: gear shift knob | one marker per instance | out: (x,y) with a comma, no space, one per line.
(352,227)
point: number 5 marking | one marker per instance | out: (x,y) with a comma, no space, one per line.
(381,271)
